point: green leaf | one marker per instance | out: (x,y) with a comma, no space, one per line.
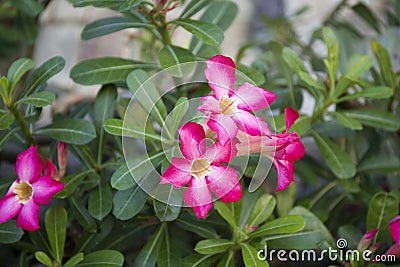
(372,92)
(301,126)
(147,257)
(29,7)
(128,203)
(383,162)
(307,79)
(338,161)
(6,119)
(113,4)
(263,209)
(333,53)
(4,89)
(208,33)
(100,201)
(382,208)
(116,127)
(225,211)
(301,240)
(347,121)
(367,15)
(56,229)
(71,131)
(109,25)
(248,74)
(43,258)
(9,233)
(385,64)
(40,75)
(285,200)
(177,114)
(358,65)
(197,227)
(193,7)
(123,178)
(16,71)
(106,70)
(176,60)
(104,105)
(376,118)
(250,257)
(167,209)
(283,225)
(228,260)
(213,246)
(71,182)
(103,258)
(147,95)
(170,255)
(129,5)
(198,260)
(40,99)
(73,261)
(293,61)
(82,215)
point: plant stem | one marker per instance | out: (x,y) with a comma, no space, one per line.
(22,124)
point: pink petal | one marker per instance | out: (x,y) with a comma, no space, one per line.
(178,173)
(218,152)
(220,72)
(44,189)
(394,226)
(285,171)
(252,98)
(295,151)
(198,196)
(224,126)
(250,124)
(209,106)
(224,182)
(193,143)
(29,165)
(9,208)
(50,169)
(28,218)
(291,116)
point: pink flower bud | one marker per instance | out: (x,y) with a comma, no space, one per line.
(62,153)
(367,239)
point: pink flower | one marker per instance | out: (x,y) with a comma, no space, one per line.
(367,239)
(28,191)
(62,155)
(229,107)
(394,226)
(201,169)
(283,149)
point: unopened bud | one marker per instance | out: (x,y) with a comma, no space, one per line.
(51,170)
(367,239)
(62,153)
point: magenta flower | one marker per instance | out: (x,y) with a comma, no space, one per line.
(283,149)
(28,191)
(394,226)
(201,169)
(367,239)
(229,107)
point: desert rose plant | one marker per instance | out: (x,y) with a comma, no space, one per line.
(188,156)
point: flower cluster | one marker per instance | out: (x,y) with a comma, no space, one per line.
(230,115)
(30,189)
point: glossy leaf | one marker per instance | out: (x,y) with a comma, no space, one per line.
(40,75)
(128,203)
(170,254)
(338,161)
(116,127)
(73,261)
(6,119)
(106,70)
(194,7)
(71,131)
(113,4)
(376,118)
(29,7)
(283,225)
(147,256)
(9,233)
(212,246)
(263,209)
(250,257)
(82,215)
(40,99)
(372,92)
(103,258)
(100,201)
(197,227)
(333,52)
(228,260)
(167,209)
(382,208)
(348,121)
(176,60)
(106,26)
(16,71)
(385,64)
(225,211)
(56,229)
(43,258)
(198,260)
(178,113)
(206,32)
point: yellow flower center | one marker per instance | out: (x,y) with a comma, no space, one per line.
(23,192)
(227,106)
(200,168)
